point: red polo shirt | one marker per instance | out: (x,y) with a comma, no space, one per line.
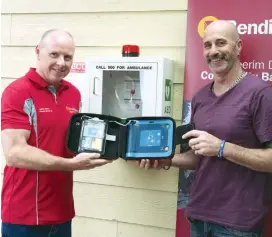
(32,197)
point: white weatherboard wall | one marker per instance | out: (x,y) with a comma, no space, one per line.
(117,200)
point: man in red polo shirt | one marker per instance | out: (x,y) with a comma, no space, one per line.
(37,197)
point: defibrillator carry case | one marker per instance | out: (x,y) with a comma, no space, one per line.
(131,138)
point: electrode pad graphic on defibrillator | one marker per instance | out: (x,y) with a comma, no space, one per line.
(150,138)
(92,137)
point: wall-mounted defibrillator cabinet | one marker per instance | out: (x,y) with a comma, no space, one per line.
(128,86)
(126,109)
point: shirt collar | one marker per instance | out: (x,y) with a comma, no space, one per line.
(33,76)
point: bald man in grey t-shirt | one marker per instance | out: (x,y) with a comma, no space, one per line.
(231,146)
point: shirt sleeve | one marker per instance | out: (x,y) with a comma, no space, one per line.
(262,114)
(15,112)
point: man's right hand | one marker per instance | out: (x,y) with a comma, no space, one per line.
(86,161)
(152,164)
(19,154)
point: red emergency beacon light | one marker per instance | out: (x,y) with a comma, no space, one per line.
(130,51)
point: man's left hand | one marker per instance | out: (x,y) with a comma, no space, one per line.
(203,143)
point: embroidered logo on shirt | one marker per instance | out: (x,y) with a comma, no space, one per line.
(45,110)
(71,110)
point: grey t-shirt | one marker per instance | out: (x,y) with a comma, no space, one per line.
(223,192)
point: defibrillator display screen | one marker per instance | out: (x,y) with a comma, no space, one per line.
(150,138)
